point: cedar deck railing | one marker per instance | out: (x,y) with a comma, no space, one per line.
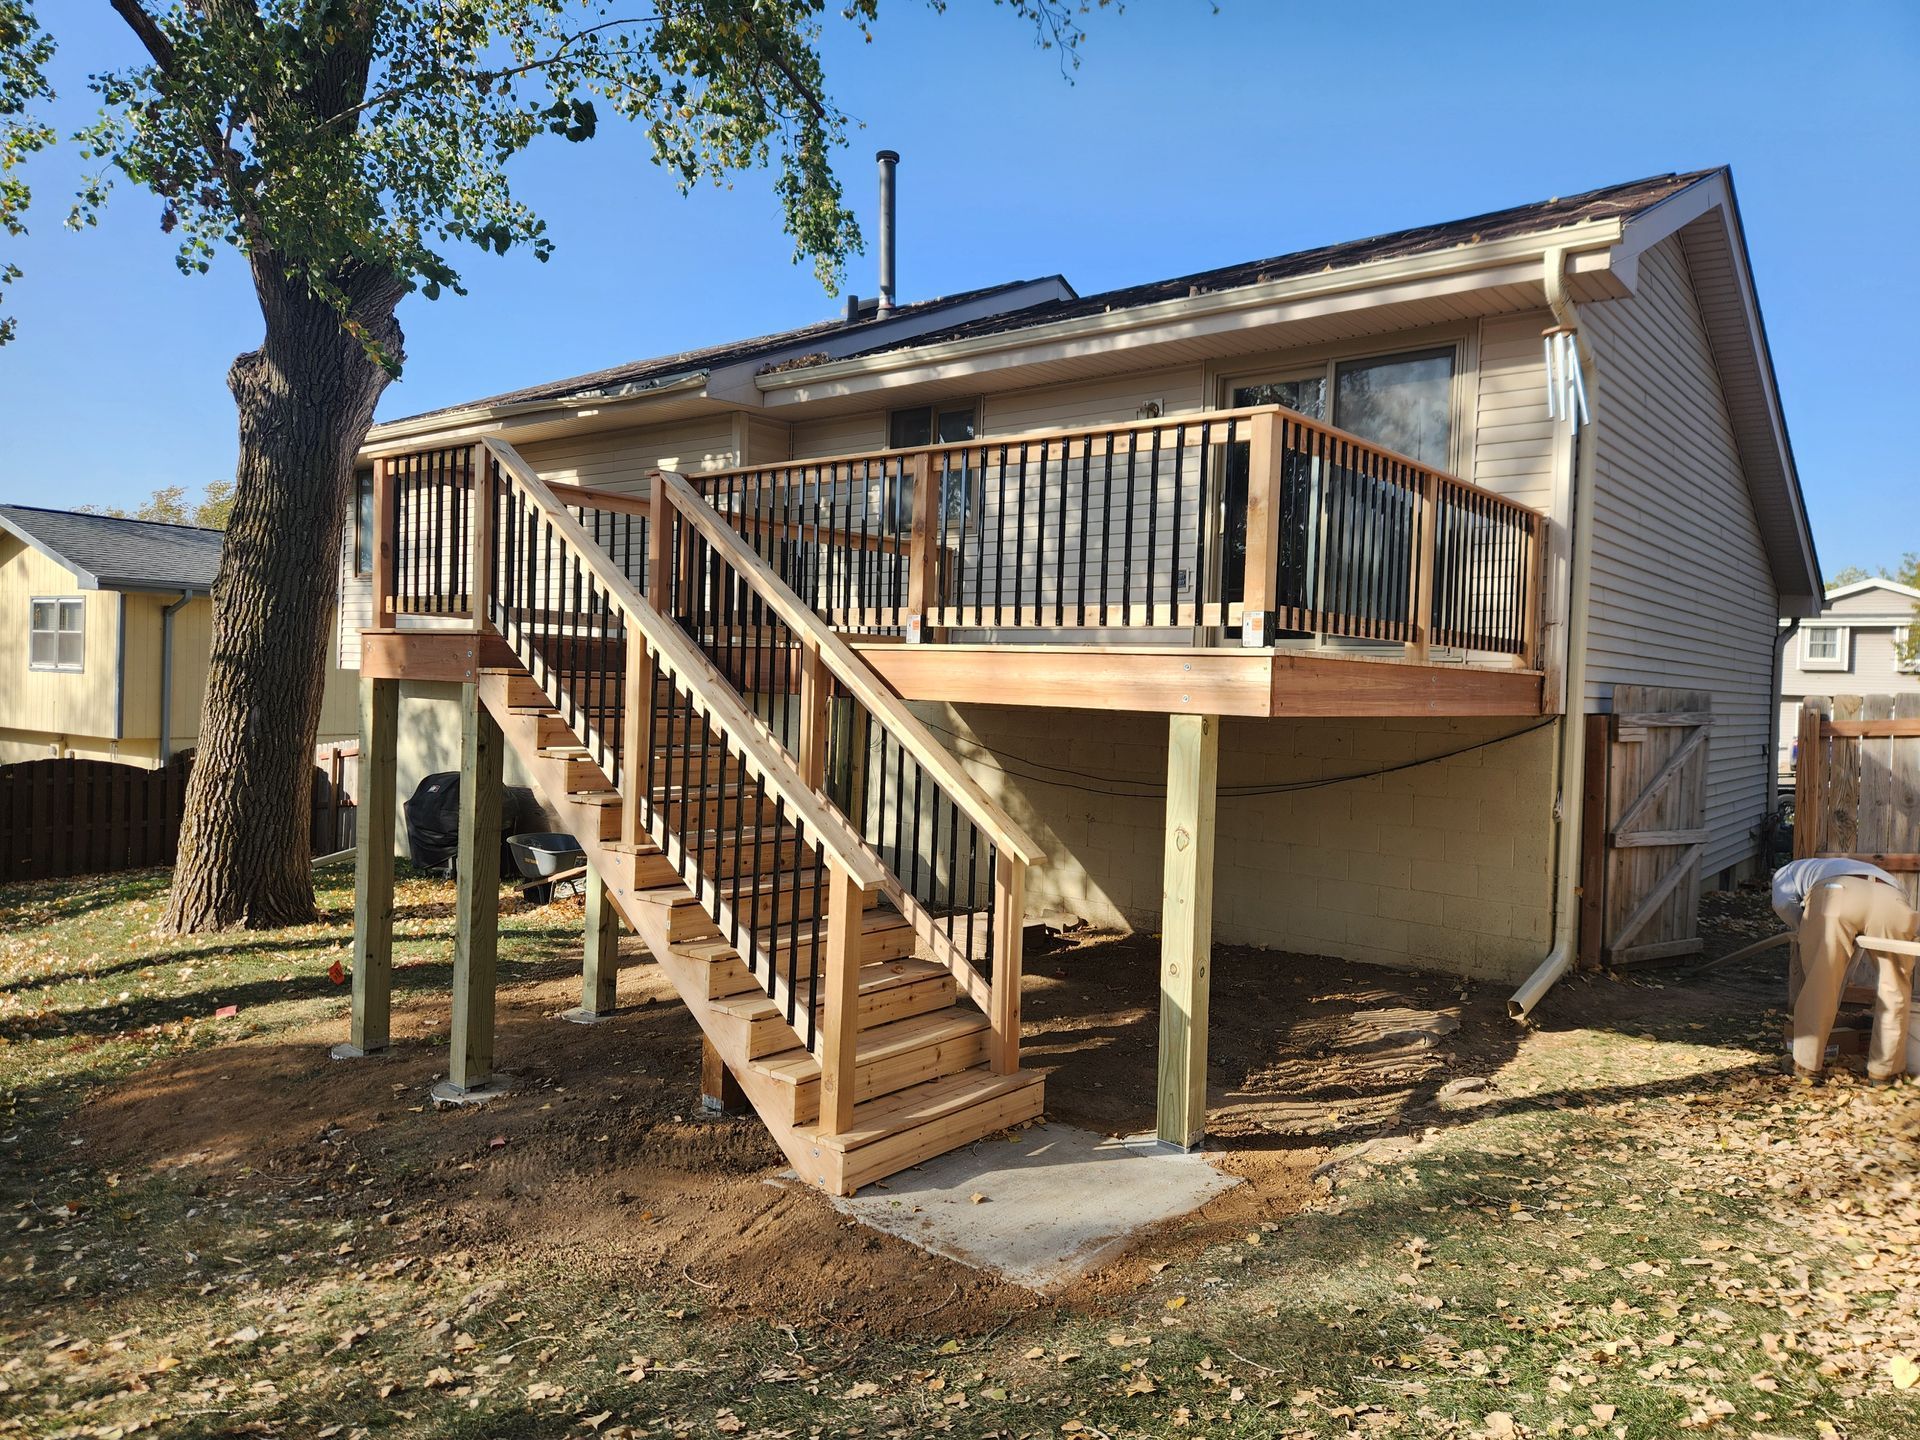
(1257,525)
(649,625)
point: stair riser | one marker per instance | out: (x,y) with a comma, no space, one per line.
(730,976)
(896,1072)
(847,1172)
(770,1034)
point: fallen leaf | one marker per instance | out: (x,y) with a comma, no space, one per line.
(1904,1372)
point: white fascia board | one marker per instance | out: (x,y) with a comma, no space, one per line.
(1359,287)
(471,423)
(1668,217)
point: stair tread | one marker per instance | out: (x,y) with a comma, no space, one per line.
(922,1104)
(881,1042)
(875,979)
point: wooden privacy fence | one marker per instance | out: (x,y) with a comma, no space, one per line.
(1645,815)
(92,817)
(1857,789)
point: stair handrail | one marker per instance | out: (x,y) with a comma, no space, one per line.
(681,659)
(854,673)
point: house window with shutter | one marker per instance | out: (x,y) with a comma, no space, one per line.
(59,634)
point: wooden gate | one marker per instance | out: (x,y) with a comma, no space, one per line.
(1646,826)
(1857,786)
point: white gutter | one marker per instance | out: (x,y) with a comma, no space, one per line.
(1587,245)
(395,431)
(1573,748)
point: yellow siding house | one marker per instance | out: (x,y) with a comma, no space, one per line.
(105,627)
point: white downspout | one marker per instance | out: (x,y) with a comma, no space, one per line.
(1573,748)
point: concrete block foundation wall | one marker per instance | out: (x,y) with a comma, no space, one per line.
(1442,866)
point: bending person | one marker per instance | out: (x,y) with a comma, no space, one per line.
(1830,904)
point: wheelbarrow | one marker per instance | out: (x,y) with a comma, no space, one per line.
(547,860)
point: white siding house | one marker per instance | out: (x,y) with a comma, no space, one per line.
(1852,648)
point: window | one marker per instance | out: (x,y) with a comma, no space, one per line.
(935,425)
(1404,402)
(1823,647)
(59,635)
(930,425)
(363,522)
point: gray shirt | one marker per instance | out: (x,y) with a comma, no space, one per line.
(1792,883)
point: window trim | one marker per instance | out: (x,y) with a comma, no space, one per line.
(1842,639)
(59,602)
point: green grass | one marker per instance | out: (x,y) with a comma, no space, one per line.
(1534,1258)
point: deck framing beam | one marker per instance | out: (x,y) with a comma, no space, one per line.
(1186,926)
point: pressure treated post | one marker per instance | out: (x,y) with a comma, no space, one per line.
(370,1029)
(1260,587)
(720,1093)
(1186,927)
(600,962)
(839,1024)
(476,933)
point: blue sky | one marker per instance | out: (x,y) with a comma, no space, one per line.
(1187,139)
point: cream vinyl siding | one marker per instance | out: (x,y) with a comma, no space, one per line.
(839,435)
(1114,401)
(1682,592)
(1513,441)
(621,460)
(356,603)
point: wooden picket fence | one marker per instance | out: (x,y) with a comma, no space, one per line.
(93,817)
(1857,789)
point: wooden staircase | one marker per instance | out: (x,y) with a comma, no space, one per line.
(838,978)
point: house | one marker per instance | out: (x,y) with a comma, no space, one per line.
(107,624)
(1266,604)
(1853,648)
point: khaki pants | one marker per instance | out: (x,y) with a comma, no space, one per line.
(1838,913)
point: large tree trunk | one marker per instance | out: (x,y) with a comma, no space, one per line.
(306,399)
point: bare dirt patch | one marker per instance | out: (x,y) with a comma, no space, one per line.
(601,1161)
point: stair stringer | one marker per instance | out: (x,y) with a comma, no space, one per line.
(622,871)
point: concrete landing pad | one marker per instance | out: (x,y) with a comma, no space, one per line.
(1055,1201)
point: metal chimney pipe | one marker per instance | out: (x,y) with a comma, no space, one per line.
(888,160)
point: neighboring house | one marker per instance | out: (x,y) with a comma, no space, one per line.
(1852,648)
(1148,620)
(104,635)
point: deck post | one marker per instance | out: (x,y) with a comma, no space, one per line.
(480,566)
(839,968)
(385,509)
(1186,927)
(1426,555)
(720,1093)
(476,930)
(921,543)
(1260,585)
(600,962)
(371,1027)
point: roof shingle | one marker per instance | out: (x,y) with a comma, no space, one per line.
(120,554)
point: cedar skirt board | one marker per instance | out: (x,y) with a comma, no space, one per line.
(1645,826)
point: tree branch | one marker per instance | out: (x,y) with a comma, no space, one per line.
(486,77)
(147,30)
